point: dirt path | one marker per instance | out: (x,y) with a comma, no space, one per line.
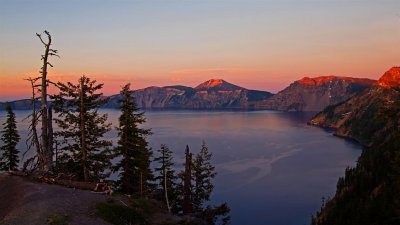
(23,202)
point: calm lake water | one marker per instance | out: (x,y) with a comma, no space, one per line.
(272,168)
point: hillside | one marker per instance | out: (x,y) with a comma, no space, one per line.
(314,94)
(23,202)
(23,104)
(364,116)
(307,94)
(212,94)
(369,194)
(27,202)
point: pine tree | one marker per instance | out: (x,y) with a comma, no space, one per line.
(166,174)
(134,168)
(187,183)
(10,138)
(196,187)
(84,153)
(203,173)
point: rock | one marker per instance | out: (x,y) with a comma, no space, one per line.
(366,116)
(314,94)
(212,94)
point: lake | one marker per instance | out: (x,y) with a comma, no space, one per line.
(272,167)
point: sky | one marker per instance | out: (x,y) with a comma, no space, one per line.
(256,44)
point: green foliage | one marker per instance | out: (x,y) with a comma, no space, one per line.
(211,214)
(134,167)
(57,219)
(10,138)
(84,154)
(369,193)
(203,173)
(201,187)
(165,173)
(371,122)
(119,214)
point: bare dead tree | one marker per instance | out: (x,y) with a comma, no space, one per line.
(33,138)
(44,147)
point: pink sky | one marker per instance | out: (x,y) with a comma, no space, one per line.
(263,45)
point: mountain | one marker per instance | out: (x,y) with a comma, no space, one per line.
(218,85)
(23,104)
(362,116)
(368,193)
(314,94)
(212,94)
(307,94)
(391,78)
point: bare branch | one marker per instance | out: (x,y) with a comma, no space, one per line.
(40,37)
(53,54)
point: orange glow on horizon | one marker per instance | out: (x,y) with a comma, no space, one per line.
(272,78)
(15,87)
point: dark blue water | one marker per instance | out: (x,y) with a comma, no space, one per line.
(272,167)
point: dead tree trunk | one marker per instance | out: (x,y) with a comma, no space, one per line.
(43,105)
(187,203)
(33,136)
(44,148)
(50,139)
(166,188)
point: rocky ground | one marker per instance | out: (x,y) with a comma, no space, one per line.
(25,202)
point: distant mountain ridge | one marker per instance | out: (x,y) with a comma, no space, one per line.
(212,94)
(314,94)
(307,94)
(360,117)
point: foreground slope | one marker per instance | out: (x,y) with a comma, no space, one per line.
(314,94)
(23,202)
(369,194)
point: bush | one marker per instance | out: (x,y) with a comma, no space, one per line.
(119,214)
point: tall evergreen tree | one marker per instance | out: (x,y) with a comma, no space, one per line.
(187,183)
(196,187)
(134,167)
(166,174)
(10,138)
(84,153)
(203,173)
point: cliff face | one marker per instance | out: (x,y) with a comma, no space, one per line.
(314,94)
(362,117)
(368,193)
(391,78)
(307,94)
(212,94)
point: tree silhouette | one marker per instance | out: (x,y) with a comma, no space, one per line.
(10,138)
(134,166)
(166,174)
(84,153)
(203,173)
(43,142)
